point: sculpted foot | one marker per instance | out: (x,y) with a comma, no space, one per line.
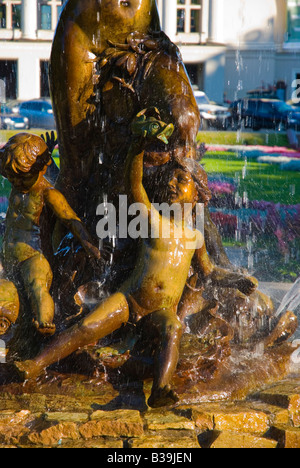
(26,370)
(163,397)
(247,285)
(285,328)
(226,279)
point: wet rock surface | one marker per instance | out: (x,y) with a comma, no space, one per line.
(68,411)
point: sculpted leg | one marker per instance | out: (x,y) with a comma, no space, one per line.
(169,329)
(105,319)
(37,277)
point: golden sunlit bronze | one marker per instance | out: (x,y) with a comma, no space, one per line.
(170,307)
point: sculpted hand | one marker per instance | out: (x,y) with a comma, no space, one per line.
(50,140)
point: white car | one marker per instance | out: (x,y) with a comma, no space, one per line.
(212,115)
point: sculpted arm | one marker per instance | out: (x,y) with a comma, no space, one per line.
(147,128)
(135,173)
(202,262)
(62,210)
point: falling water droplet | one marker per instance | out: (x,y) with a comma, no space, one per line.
(292,190)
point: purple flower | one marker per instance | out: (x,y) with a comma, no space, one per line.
(219,187)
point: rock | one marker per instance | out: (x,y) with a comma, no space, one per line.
(11,417)
(234,440)
(12,434)
(13,426)
(168,439)
(54,435)
(159,421)
(119,423)
(203,420)
(276,415)
(241,420)
(66,417)
(101,442)
(230,417)
(286,395)
(287,436)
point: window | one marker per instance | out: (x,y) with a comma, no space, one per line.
(33,106)
(3,16)
(252,106)
(294,20)
(188,16)
(49,12)
(46,17)
(202,100)
(180,20)
(16,16)
(9,75)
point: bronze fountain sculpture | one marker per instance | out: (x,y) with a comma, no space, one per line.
(127,122)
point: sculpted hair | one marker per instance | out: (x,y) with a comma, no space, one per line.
(154,184)
(25,153)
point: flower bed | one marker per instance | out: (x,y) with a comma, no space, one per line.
(266,226)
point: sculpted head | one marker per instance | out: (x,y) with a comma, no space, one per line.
(136,12)
(23,158)
(133,13)
(115,19)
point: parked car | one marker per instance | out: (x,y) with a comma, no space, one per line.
(39,112)
(12,121)
(264,113)
(295,105)
(212,115)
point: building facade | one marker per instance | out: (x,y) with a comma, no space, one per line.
(233,46)
(26,33)
(229,46)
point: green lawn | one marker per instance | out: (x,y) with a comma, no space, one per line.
(243,138)
(261,181)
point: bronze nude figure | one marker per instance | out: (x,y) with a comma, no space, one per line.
(158,280)
(127,122)
(24,162)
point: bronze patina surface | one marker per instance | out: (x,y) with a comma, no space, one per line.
(147,308)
